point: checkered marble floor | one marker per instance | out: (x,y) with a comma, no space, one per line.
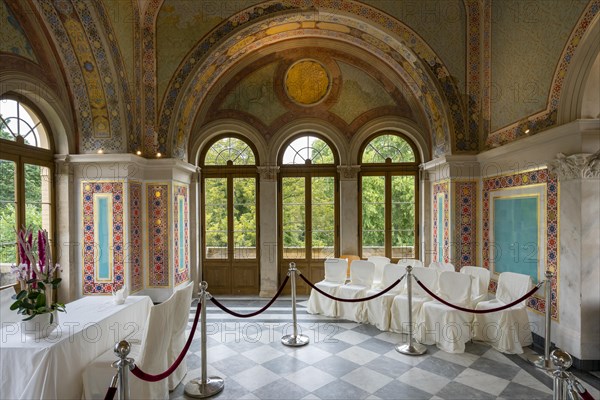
(346,360)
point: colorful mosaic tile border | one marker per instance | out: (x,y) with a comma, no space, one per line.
(88,189)
(441,188)
(157,201)
(149,77)
(136,276)
(547,118)
(181,275)
(541,176)
(466,213)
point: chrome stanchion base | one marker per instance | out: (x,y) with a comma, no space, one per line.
(542,363)
(411,349)
(295,341)
(196,389)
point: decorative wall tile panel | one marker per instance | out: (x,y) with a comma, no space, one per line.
(136,275)
(441,227)
(523,179)
(465,210)
(157,202)
(181,243)
(91,256)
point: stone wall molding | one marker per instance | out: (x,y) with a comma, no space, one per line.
(268,172)
(576,166)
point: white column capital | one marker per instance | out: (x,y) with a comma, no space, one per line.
(576,166)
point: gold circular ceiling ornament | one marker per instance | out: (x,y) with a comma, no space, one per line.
(307,82)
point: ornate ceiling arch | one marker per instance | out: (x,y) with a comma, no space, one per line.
(272,22)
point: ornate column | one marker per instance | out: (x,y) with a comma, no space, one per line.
(579,238)
(348,208)
(195,221)
(268,230)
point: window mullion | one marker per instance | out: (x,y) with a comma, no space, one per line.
(231,250)
(308,216)
(388,214)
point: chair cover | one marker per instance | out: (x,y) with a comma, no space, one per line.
(378,309)
(150,356)
(442,266)
(399,310)
(410,261)
(361,273)
(379,262)
(442,325)
(335,276)
(6,314)
(181,316)
(479,284)
(507,330)
(349,258)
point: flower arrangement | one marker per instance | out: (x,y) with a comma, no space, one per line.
(35,274)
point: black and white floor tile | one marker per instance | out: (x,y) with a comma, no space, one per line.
(346,360)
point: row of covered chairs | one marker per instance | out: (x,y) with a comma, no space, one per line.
(435,322)
(154,349)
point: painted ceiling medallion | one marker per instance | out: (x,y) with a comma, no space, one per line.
(307,82)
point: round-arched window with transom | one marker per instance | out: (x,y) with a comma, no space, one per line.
(26,174)
(308,150)
(229,150)
(389,191)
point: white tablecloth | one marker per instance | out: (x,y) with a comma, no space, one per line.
(51,368)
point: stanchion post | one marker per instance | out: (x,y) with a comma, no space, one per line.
(123,364)
(411,348)
(544,361)
(206,386)
(562,361)
(294,340)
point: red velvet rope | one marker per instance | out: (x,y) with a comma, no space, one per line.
(110,393)
(509,305)
(352,300)
(154,378)
(255,313)
(586,395)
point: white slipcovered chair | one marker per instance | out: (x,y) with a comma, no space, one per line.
(449,329)
(335,276)
(361,280)
(442,266)
(183,301)
(413,262)
(380,262)
(150,356)
(399,311)
(378,309)
(479,284)
(507,330)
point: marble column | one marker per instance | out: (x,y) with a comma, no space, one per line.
(195,224)
(268,230)
(578,328)
(348,208)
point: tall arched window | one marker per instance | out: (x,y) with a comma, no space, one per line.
(229,223)
(26,173)
(389,191)
(308,205)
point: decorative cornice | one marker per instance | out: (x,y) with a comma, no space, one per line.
(348,172)
(576,166)
(268,172)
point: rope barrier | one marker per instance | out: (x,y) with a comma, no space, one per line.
(110,393)
(352,300)
(255,313)
(491,310)
(155,378)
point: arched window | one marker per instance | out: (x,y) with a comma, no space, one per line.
(26,173)
(389,190)
(229,223)
(308,205)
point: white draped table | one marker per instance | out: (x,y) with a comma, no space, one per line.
(51,368)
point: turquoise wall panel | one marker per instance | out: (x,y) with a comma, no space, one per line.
(440,233)
(516,235)
(181,226)
(103,244)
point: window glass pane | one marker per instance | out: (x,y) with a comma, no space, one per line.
(403,216)
(229,149)
(8,222)
(215,218)
(37,197)
(308,148)
(19,120)
(323,216)
(393,147)
(244,218)
(373,216)
(293,204)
